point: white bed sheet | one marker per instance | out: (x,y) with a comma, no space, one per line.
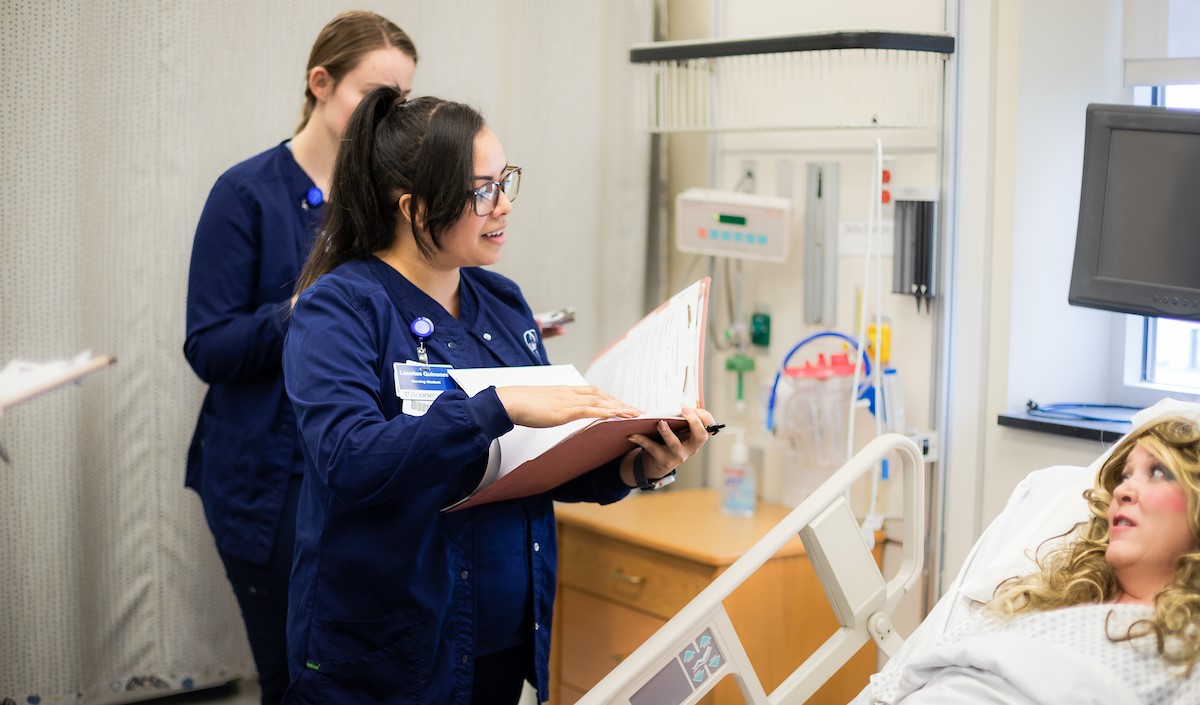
(1047,503)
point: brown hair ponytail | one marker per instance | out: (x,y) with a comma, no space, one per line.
(342,44)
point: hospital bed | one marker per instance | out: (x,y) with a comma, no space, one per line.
(697,648)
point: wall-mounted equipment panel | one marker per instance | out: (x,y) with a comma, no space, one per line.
(732,224)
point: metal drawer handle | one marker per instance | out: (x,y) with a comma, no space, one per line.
(627,578)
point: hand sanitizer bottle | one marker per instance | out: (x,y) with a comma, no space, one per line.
(739,487)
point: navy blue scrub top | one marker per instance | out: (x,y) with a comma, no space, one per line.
(392,599)
(251,241)
(501,534)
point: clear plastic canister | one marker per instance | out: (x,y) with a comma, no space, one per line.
(812,422)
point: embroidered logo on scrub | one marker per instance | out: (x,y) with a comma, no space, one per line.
(418,385)
(531,340)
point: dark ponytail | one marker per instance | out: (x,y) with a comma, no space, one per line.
(391,146)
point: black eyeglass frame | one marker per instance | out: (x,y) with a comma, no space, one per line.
(479,195)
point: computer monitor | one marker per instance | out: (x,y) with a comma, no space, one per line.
(1137,248)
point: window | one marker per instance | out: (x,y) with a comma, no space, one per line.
(1169,354)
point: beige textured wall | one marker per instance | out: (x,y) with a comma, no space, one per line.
(115,119)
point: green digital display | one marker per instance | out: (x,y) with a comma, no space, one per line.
(730,219)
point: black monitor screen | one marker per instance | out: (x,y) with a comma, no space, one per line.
(1137,247)
(1152,208)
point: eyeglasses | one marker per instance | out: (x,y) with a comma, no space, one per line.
(487,197)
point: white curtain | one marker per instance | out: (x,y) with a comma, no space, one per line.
(1161,42)
(116,116)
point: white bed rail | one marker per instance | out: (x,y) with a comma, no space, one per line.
(698,647)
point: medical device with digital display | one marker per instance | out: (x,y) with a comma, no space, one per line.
(733,224)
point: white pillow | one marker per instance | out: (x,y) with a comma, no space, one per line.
(1048,502)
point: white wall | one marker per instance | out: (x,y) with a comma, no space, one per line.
(1055,81)
(1020,162)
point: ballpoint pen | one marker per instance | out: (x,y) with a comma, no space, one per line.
(712,431)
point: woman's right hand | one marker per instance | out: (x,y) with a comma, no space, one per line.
(542,407)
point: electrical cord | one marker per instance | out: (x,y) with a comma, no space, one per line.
(1077,412)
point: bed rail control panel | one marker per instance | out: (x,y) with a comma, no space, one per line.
(699,663)
(681,662)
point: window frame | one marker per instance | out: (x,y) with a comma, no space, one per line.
(1137,344)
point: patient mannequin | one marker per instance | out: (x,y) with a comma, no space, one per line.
(1111,615)
(1141,544)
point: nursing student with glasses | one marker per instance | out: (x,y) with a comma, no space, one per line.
(393,600)
(487,196)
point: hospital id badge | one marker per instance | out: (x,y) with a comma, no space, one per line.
(419,384)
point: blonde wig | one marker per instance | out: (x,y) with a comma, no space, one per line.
(1077,573)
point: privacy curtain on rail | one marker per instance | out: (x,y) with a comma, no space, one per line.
(115,119)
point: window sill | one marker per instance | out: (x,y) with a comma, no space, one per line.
(1103,431)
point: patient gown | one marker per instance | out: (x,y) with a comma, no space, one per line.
(1040,658)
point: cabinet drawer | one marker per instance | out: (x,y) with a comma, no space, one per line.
(646,580)
(601,635)
(568,696)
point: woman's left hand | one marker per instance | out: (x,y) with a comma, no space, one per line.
(661,458)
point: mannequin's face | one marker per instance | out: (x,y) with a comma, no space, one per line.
(1148,518)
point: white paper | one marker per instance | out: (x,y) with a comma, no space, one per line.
(523,443)
(474,380)
(656,365)
(22,378)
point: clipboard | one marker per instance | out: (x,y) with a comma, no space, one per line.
(656,365)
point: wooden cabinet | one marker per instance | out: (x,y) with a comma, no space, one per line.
(626,568)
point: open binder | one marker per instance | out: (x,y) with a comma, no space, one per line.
(656,366)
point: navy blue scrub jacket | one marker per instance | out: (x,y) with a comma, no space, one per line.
(251,241)
(388,593)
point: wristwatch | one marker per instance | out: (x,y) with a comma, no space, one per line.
(643,482)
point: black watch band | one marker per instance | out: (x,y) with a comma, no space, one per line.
(644,483)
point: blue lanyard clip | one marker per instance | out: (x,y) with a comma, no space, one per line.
(422,328)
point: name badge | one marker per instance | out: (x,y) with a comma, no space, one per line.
(418,385)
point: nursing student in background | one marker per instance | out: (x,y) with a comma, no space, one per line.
(254,234)
(394,601)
